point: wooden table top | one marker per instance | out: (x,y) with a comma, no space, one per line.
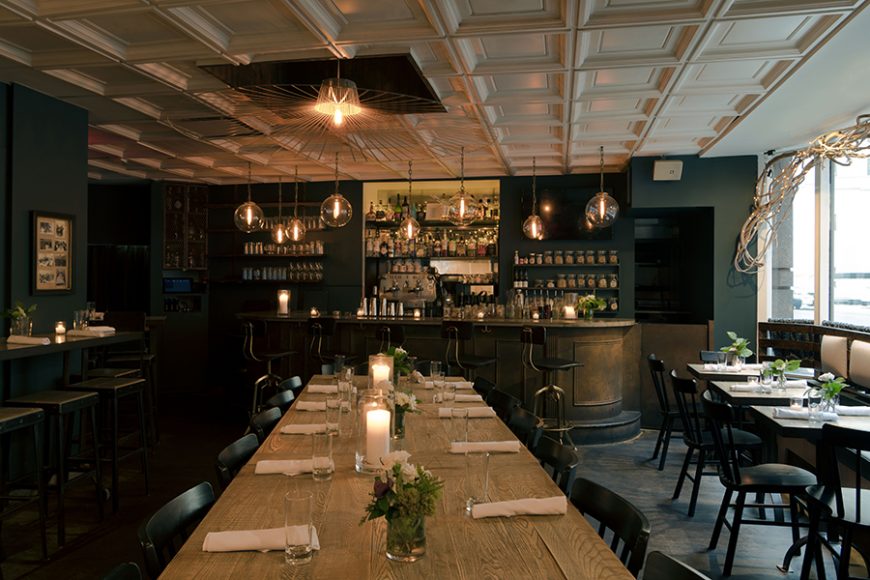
(803,429)
(744,398)
(62,343)
(699,372)
(457,545)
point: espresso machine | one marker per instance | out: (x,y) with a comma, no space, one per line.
(406,291)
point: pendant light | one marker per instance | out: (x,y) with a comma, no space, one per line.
(461,211)
(409,226)
(296,228)
(249,215)
(279,234)
(533,227)
(336,211)
(602,209)
(338,98)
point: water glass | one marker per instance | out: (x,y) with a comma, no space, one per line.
(720,361)
(338,366)
(448,392)
(333,413)
(752,380)
(80,319)
(322,466)
(458,425)
(298,527)
(476,478)
(814,407)
(766,379)
(796,403)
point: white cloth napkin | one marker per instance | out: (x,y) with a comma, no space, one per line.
(473,412)
(303,429)
(743,388)
(93,331)
(463,398)
(710,366)
(283,466)
(796,383)
(462,384)
(310,405)
(322,389)
(482,446)
(753,366)
(804,414)
(557,505)
(428,384)
(31,340)
(255,540)
(847,411)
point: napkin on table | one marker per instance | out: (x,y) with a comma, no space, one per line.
(283,466)
(857,411)
(254,540)
(306,429)
(473,412)
(482,446)
(711,366)
(463,398)
(31,340)
(557,505)
(795,383)
(310,406)
(462,384)
(322,389)
(93,331)
(753,366)
(782,413)
(743,388)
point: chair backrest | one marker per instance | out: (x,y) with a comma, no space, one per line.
(390,335)
(709,355)
(234,456)
(859,363)
(835,354)
(263,422)
(502,403)
(849,447)
(689,406)
(562,459)
(526,426)
(321,326)
(657,372)
(529,337)
(125,571)
(163,534)
(294,384)
(721,418)
(660,566)
(248,342)
(617,518)
(281,400)
(457,329)
(482,386)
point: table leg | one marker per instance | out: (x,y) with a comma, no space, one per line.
(66,370)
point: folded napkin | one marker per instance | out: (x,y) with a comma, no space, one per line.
(462,384)
(322,389)
(283,466)
(416,377)
(482,446)
(548,506)
(310,405)
(753,366)
(256,540)
(461,398)
(743,388)
(93,331)
(32,340)
(428,385)
(782,413)
(853,411)
(473,412)
(303,429)
(794,384)
(711,366)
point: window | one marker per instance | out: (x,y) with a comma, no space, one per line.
(850,240)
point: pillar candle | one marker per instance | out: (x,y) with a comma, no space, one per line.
(60,327)
(380,373)
(283,301)
(377,435)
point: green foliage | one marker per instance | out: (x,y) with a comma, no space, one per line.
(401,360)
(590,303)
(738,346)
(780,367)
(20,311)
(831,386)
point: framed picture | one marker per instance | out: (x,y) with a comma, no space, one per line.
(52,252)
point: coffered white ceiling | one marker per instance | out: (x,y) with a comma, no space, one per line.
(553,79)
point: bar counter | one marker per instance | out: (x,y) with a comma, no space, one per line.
(608,349)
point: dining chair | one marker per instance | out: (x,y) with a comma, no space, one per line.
(763,479)
(281,400)
(163,534)
(561,458)
(709,356)
(482,386)
(502,403)
(234,456)
(668,413)
(263,422)
(125,571)
(526,426)
(269,379)
(294,384)
(618,519)
(456,332)
(660,566)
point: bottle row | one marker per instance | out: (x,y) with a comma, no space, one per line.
(547,305)
(565,281)
(312,248)
(481,243)
(310,223)
(487,209)
(295,272)
(567,257)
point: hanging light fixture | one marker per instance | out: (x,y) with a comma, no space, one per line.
(338,98)
(602,209)
(461,211)
(409,226)
(336,211)
(533,227)
(279,235)
(296,228)
(249,215)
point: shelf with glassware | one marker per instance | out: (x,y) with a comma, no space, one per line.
(438,243)
(185,225)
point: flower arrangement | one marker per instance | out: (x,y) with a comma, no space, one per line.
(20,311)
(779,367)
(406,402)
(831,386)
(739,346)
(588,304)
(401,360)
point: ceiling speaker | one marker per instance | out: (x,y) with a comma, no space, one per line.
(667,170)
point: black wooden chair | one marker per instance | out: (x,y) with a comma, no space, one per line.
(263,422)
(125,571)
(526,426)
(668,413)
(618,519)
(281,400)
(163,534)
(482,386)
(294,384)
(456,332)
(321,331)
(698,439)
(763,479)
(502,403)
(390,335)
(234,456)
(562,459)
(709,356)
(660,566)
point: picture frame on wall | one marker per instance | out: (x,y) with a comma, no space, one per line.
(52,252)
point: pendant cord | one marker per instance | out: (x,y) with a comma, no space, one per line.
(249,182)
(462,170)
(279,198)
(534,194)
(601,169)
(409,177)
(296,193)
(336,173)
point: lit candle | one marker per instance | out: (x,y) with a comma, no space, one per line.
(314,312)
(377,435)
(283,301)
(417,313)
(59,327)
(360,312)
(480,315)
(535,316)
(380,373)
(570,313)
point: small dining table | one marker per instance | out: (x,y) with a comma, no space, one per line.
(703,372)
(736,393)
(458,546)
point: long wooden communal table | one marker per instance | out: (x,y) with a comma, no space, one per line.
(458,547)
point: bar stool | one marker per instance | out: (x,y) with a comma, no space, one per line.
(269,379)
(61,408)
(318,330)
(460,330)
(13,420)
(111,392)
(390,335)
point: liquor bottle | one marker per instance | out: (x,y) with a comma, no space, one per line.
(406,209)
(371,216)
(516,257)
(397,209)
(379,213)
(451,246)
(460,247)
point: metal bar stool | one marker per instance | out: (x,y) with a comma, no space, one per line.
(318,330)
(455,331)
(13,420)
(269,379)
(390,335)
(551,395)
(61,408)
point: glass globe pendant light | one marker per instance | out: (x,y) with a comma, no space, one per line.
(295,230)
(279,235)
(336,211)
(248,216)
(533,227)
(602,209)
(409,226)
(462,210)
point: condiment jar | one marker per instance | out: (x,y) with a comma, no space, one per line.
(602,256)
(614,281)
(558,257)
(561,281)
(572,280)
(613,257)
(602,281)
(548,257)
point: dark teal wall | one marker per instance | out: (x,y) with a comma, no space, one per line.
(726,184)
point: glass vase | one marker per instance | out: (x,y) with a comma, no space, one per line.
(399,423)
(406,538)
(21,326)
(374,424)
(829,404)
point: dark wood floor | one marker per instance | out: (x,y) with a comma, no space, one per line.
(193,431)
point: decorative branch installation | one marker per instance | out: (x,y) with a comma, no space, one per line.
(775,191)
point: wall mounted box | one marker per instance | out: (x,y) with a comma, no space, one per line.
(667,170)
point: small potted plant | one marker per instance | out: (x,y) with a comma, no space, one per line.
(737,351)
(830,387)
(779,367)
(405,403)
(587,305)
(22,323)
(404,495)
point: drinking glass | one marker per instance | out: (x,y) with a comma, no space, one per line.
(297,527)
(458,425)
(448,392)
(321,456)
(814,406)
(338,366)
(766,379)
(333,413)
(80,319)
(720,361)
(796,403)
(476,478)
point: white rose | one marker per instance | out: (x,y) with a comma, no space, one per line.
(400,351)
(391,459)
(826,378)
(409,472)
